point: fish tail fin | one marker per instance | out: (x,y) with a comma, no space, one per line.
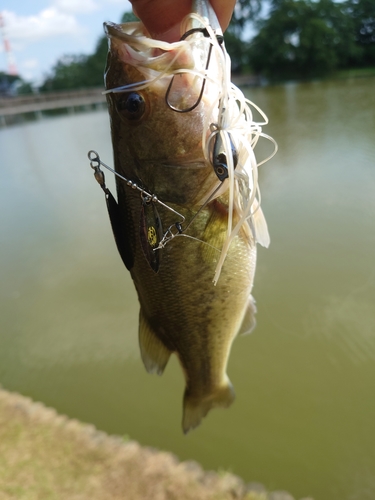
(154,354)
(195,408)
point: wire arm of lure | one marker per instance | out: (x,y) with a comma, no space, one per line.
(169,234)
(173,230)
(95,163)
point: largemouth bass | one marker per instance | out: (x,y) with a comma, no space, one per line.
(188,216)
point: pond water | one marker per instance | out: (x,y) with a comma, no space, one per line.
(304,417)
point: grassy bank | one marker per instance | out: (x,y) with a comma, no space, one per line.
(44,455)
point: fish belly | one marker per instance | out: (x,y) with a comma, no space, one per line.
(182,311)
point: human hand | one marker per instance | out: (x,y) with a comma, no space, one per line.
(162,17)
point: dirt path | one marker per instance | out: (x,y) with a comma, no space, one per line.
(44,455)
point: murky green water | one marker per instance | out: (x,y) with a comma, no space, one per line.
(304,418)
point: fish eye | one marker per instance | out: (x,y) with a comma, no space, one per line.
(132,106)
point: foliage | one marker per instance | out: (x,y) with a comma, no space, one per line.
(24,88)
(305,38)
(81,71)
(238,50)
(129,17)
(13,85)
(245,11)
(362,12)
(78,71)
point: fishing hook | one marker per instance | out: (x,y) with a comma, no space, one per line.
(205,33)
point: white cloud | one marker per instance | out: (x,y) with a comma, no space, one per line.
(74,7)
(47,23)
(30,63)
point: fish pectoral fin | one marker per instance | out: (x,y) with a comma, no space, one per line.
(260,228)
(153,352)
(197,408)
(249,321)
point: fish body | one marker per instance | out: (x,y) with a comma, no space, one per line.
(173,248)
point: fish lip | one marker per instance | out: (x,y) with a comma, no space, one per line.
(116,30)
(111,28)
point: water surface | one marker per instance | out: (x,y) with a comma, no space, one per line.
(304,417)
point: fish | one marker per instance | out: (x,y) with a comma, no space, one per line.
(187,217)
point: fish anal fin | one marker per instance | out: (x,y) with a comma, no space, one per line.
(249,321)
(196,408)
(153,352)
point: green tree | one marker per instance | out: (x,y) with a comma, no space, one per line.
(78,71)
(68,73)
(81,71)
(302,39)
(245,12)
(14,85)
(129,17)
(362,14)
(24,88)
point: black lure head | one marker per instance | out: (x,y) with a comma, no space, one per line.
(219,158)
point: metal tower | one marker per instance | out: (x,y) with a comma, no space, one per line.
(12,70)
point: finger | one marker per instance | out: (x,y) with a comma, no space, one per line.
(224,10)
(162,17)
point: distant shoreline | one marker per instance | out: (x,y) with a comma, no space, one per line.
(251,80)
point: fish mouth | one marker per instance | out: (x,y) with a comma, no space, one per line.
(115,30)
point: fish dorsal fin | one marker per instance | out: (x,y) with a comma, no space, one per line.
(153,352)
(249,320)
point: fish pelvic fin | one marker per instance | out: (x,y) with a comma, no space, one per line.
(196,408)
(153,352)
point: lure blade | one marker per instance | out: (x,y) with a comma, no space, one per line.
(151,233)
(119,231)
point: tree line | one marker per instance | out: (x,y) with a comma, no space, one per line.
(305,38)
(295,39)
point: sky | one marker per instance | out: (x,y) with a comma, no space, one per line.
(41,31)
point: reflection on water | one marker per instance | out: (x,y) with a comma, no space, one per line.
(347,320)
(305,411)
